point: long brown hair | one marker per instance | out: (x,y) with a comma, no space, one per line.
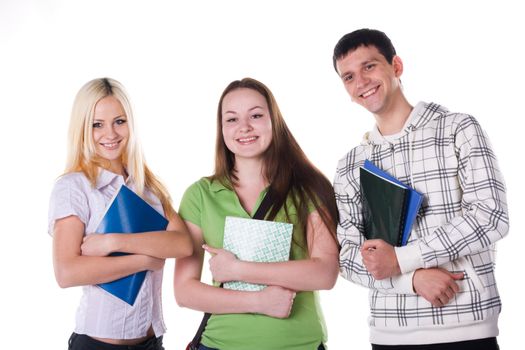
(286,167)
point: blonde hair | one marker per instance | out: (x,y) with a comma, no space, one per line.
(82,155)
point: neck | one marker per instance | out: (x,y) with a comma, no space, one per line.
(117,168)
(250,173)
(392,120)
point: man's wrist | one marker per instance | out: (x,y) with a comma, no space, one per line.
(408,258)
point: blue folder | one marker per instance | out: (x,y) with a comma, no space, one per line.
(128,213)
(414,199)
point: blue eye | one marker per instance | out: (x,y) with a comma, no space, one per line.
(120,121)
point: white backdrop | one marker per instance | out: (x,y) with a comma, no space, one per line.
(175,58)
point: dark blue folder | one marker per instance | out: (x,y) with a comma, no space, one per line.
(413,202)
(128,213)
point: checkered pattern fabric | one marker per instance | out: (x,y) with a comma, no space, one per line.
(257,241)
(448,158)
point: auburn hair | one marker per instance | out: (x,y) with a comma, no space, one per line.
(290,174)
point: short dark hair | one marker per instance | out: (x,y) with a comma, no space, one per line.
(364,37)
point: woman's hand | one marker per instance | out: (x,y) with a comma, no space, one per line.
(276,301)
(97,244)
(154,264)
(223,264)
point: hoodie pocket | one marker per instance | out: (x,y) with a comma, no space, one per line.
(461,265)
(464,265)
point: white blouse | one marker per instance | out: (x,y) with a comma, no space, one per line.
(100,314)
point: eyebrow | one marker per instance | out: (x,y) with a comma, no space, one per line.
(371,60)
(117,117)
(364,63)
(249,110)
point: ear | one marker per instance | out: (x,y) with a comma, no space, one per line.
(397,63)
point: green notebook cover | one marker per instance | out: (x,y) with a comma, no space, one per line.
(384,207)
(258,241)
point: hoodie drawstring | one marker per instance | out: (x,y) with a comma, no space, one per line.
(393,156)
(411,137)
(369,150)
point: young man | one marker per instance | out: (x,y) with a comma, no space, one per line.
(439,289)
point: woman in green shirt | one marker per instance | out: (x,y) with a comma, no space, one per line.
(255,150)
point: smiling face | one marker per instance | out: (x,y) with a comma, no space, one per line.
(110,132)
(370,80)
(246,123)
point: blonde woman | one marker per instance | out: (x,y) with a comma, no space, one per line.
(104,154)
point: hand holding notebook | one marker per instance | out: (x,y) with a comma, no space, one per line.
(128,213)
(380,259)
(223,264)
(257,241)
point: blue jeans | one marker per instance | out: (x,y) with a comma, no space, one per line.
(202,347)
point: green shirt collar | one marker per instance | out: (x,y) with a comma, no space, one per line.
(217,186)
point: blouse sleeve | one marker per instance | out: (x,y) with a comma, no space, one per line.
(67,198)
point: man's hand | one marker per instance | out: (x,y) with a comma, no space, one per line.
(380,259)
(436,285)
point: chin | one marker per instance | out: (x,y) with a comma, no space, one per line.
(374,109)
(110,157)
(249,155)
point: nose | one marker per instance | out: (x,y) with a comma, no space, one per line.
(361,80)
(111,132)
(245,124)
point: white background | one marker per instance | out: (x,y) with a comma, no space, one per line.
(175,58)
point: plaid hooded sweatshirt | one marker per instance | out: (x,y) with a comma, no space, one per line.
(448,158)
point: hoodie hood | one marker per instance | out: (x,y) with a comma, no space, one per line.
(421,114)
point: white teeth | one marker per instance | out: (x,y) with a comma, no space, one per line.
(248,139)
(369,92)
(110,145)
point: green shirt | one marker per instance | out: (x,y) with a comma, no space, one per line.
(206,204)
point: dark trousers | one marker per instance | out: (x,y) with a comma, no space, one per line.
(84,342)
(478,344)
